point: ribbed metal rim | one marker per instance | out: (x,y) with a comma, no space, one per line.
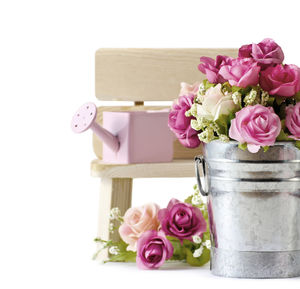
(236,143)
(252,162)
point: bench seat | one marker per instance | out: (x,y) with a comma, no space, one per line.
(174,169)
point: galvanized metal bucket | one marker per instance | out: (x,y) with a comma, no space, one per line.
(254,209)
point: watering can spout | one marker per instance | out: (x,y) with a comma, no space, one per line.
(108,138)
(85,118)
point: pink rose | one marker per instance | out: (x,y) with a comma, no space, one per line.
(153,248)
(266,53)
(211,67)
(182,220)
(292,120)
(137,221)
(242,72)
(180,124)
(255,125)
(187,89)
(282,80)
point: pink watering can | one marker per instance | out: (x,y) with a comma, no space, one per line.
(128,136)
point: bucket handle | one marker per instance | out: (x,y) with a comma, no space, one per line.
(201,160)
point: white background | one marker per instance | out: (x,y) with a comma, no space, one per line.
(48,201)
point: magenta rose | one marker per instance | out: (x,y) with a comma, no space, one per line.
(282,80)
(153,249)
(292,120)
(180,124)
(211,67)
(255,125)
(242,72)
(266,53)
(181,220)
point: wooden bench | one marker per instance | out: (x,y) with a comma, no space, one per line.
(140,75)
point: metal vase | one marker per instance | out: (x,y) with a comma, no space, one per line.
(254,209)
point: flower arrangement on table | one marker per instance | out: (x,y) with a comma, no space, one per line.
(253,99)
(150,235)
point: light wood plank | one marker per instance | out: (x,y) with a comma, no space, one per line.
(138,74)
(175,169)
(114,192)
(180,152)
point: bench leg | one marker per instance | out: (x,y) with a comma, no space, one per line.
(114,192)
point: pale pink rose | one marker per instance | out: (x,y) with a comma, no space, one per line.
(282,80)
(266,53)
(215,103)
(292,120)
(187,89)
(137,221)
(242,72)
(255,125)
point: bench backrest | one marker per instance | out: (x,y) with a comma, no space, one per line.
(138,75)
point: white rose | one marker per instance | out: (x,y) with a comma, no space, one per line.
(215,103)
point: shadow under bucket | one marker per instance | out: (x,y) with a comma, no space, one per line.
(254,209)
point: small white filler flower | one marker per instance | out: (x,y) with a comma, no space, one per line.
(197,239)
(115,213)
(207,244)
(196,200)
(113,250)
(198,252)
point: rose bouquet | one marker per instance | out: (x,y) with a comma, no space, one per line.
(253,99)
(150,235)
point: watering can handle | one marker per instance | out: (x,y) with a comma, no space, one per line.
(201,160)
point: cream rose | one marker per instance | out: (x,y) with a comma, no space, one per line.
(137,221)
(215,103)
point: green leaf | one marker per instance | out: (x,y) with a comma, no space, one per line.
(270,101)
(188,243)
(122,256)
(231,116)
(266,148)
(207,84)
(179,250)
(283,136)
(206,235)
(126,256)
(200,261)
(226,87)
(235,88)
(188,200)
(297,96)
(297,144)
(98,240)
(224,122)
(242,146)
(279,100)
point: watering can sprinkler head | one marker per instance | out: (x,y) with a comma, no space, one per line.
(85,118)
